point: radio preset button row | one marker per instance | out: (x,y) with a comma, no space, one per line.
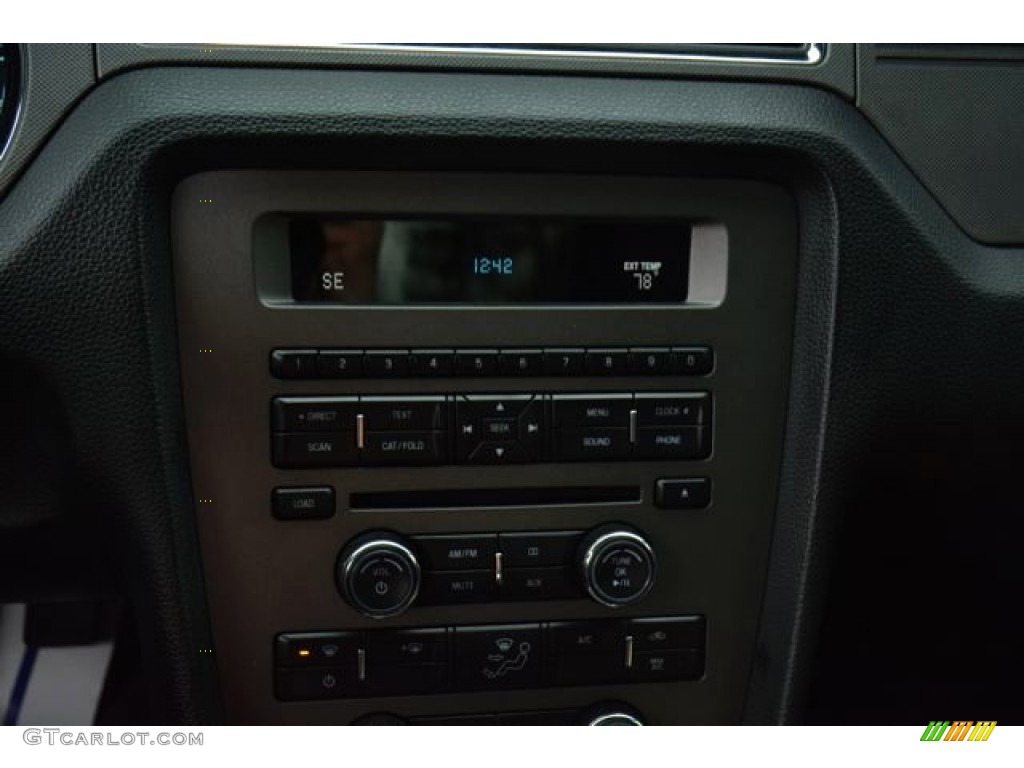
(337,665)
(549,361)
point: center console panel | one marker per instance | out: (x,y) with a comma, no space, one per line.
(522,468)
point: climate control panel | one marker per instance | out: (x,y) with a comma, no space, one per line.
(406,662)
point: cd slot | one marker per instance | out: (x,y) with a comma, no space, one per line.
(477,498)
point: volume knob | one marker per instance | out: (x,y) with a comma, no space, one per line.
(617,565)
(378,575)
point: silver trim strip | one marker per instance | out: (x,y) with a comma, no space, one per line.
(813,55)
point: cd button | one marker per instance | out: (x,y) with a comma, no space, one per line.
(542,548)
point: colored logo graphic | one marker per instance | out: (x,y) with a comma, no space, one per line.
(959,730)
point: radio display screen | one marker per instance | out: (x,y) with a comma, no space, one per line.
(467,260)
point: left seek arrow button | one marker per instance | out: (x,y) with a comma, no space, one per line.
(298,450)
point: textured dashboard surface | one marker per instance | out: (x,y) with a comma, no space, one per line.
(954,113)
(54,76)
(86,300)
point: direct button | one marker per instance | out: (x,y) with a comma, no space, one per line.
(303,503)
(383,413)
(453,553)
(314,414)
(403,448)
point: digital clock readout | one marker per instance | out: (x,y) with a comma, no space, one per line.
(487,265)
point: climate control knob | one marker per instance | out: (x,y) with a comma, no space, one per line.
(378,575)
(617,565)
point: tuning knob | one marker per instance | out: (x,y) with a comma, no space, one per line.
(378,575)
(612,714)
(617,565)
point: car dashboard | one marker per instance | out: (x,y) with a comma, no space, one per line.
(534,384)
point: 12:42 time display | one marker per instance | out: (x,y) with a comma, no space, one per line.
(488,265)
